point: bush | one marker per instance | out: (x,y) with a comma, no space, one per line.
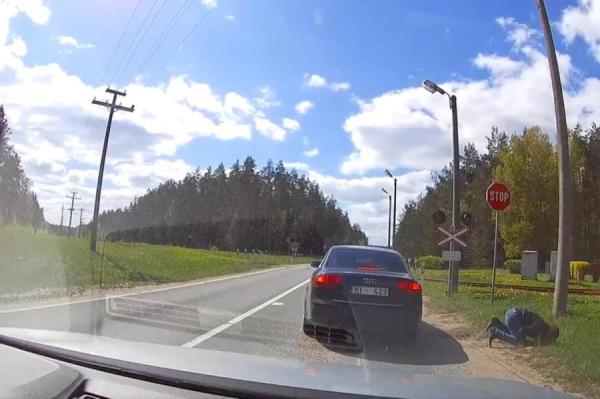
(429,262)
(575,268)
(513,266)
(214,248)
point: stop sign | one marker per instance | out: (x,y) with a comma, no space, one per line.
(497,196)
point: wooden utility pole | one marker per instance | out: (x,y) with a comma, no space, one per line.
(80,222)
(565,195)
(62,212)
(71,209)
(113,107)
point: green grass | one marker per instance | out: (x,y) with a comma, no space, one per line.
(50,264)
(573,360)
(504,277)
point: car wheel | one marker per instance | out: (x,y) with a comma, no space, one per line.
(306,329)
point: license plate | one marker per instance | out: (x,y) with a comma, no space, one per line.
(377,291)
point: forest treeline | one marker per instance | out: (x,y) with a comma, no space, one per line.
(272,209)
(18,203)
(527,162)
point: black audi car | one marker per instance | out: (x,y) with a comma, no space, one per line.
(357,293)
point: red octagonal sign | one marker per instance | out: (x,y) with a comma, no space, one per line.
(497,196)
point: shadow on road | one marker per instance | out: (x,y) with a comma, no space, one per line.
(432,347)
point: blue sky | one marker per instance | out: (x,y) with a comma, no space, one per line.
(232,89)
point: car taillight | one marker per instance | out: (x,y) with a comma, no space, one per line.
(411,287)
(327,280)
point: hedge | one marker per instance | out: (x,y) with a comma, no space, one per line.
(575,267)
(513,266)
(429,262)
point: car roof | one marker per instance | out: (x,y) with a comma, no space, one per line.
(366,248)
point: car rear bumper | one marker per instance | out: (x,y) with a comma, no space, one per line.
(349,323)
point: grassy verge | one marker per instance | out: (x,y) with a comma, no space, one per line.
(504,277)
(574,360)
(50,265)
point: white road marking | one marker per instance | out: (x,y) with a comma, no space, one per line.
(209,334)
(277,303)
(173,287)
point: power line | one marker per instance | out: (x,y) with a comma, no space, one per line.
(185,39)
(126,54)
(116,49)
(165,33)
(137,46)
(114,52)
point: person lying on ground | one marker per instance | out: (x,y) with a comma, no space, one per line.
(522,327)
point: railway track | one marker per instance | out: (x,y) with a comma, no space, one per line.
(576,291)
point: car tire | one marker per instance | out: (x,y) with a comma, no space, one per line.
(305,328)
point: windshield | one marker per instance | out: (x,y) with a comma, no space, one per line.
(388,187)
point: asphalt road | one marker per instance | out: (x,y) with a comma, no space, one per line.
(258,314)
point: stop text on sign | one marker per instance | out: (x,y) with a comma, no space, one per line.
(497,196)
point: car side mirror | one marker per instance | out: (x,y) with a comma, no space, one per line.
(316,263)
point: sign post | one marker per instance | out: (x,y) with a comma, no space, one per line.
(497,196)
(451,237)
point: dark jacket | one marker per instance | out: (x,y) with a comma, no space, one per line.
(533,325)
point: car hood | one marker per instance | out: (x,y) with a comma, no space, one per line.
(297,375)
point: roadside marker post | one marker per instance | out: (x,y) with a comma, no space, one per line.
(498,198)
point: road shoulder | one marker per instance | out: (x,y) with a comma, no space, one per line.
(500,361)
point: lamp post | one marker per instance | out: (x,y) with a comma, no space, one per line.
(389,215)
(387,172)
(434,88)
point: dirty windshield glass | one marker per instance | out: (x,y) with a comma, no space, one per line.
(378,197)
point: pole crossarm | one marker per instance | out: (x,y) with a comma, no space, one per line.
(117,92)
(117,107)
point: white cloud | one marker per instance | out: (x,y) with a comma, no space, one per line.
(410,128)
(210,3)
(362,196)
(304,106)
(291,124)
(18,47)
(583,20)
(269,129)
(498,65)
(11,52)
(267,98)
(339,86)
(315,80)
(147,174)
(70,41)
(59,137)
(519,34)
(312,152)
(230,17)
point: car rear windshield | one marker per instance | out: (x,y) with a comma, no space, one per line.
(365,260)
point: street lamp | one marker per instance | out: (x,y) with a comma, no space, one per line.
(434,88)
(387,172)
(389,215)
